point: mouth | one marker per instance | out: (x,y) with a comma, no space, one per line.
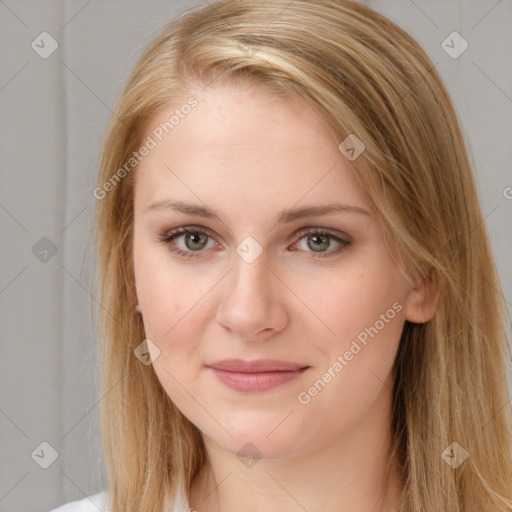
(257,375)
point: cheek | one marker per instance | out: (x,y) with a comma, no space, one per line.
(171,296)
(346,303)
(365,311)
(176,308)
(174,320)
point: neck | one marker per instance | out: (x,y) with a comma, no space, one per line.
(347,473)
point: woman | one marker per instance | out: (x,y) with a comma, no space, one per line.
(300,309)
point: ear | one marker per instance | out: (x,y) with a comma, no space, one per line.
(136,307)
(421,302)
(133,287)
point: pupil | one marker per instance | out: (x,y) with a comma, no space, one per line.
(317,238)
(194,237)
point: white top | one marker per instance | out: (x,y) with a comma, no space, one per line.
(89,504)
(98,502)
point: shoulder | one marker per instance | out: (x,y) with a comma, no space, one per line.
(89,504)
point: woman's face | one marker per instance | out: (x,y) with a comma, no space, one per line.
(257,282)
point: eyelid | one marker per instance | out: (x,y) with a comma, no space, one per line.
(301,232)
(341,238)
(329,231)
(183,230)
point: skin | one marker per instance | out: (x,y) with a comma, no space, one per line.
(249,154)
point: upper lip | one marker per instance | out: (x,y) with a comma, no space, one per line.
(255,366)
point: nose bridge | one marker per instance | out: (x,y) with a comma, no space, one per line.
(249,304)
(250,275)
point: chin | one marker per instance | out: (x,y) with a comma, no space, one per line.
(259,439)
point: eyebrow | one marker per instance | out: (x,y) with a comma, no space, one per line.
(285,216)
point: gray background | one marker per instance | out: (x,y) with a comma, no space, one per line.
(53,114)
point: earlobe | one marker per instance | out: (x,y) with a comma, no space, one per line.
(135,298)
(421,303)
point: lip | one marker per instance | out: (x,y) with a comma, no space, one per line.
(256,375)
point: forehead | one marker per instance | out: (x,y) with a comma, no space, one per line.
(246,142)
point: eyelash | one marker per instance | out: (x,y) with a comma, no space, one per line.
(168,237)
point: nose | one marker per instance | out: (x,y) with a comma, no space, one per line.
(252,305)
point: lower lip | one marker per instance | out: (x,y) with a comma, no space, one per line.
(260,381)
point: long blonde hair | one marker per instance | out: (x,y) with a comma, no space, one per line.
(366,77)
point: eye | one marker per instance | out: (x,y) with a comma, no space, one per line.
(195,239)
(319,239)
